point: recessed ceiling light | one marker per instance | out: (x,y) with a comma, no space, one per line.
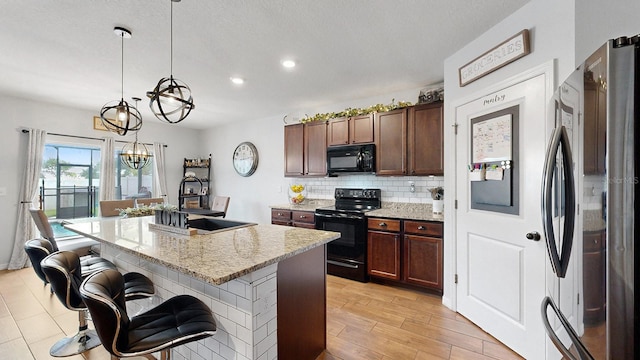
(237,80)
(288,63)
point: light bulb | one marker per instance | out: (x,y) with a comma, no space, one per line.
(121,113)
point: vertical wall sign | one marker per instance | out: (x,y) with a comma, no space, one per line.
(508,51)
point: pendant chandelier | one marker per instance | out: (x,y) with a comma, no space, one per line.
(119,116)
(135,155)
(171,99)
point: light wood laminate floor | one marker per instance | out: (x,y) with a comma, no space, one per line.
(364,321)
(32,319)
(379,322)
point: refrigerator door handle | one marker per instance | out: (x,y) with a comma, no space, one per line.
(583,353)
(559,261)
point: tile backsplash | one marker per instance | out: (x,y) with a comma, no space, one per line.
(394,188)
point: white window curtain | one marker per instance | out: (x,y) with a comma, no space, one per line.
(160,190)
(25,229)
(107,170)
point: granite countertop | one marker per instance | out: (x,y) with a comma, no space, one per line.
(309,205)
(407,211)
(396,210)
(215,258)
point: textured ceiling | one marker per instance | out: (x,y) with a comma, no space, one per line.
(65,51)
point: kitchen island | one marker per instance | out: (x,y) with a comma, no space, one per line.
(264,283)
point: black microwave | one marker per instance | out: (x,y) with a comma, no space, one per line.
(351,159)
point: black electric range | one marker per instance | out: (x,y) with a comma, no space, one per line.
(347,256)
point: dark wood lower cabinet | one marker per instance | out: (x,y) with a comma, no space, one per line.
(594,258)
(303,219)
(406,251)
(302,305)
(383,257)
(423,261)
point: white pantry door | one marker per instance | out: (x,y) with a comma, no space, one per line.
(501,273)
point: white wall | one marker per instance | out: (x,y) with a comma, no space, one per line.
(551,26)
(598,21)
(18,113)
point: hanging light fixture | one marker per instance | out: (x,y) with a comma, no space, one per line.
(171,99)
(135,155)
(119,116)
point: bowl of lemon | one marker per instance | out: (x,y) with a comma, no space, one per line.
(297,194)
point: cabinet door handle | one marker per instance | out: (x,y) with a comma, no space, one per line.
(422,227)
(302,216)
(279,214)
(382,224)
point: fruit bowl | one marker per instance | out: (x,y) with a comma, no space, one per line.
(297,194)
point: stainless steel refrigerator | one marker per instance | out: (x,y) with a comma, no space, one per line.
(590,195)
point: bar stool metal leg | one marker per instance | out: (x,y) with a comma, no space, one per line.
(83,340)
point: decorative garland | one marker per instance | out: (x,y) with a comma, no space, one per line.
(145,210)
(348,112)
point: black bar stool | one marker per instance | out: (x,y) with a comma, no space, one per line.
(38,249)
(177,321)
(63,270)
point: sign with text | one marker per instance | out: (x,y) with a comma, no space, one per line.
(510,50)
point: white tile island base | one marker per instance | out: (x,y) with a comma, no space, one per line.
(244,308)
(277,311)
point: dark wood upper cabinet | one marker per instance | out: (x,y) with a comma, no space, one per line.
(390,129)
(595,131)
(305,149)
(315,157)
(338,131)
(351,130)
(294,150)
(425,140)
(361,129)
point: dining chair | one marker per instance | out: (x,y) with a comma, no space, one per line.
(220,203)
(79,244)
(149,201)
(112,207)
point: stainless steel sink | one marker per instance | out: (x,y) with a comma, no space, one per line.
(208,225)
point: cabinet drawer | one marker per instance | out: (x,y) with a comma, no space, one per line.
(303,217)
(423,228)
(384,224)
(280,215)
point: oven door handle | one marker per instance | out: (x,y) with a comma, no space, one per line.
(341,216)
(337,263)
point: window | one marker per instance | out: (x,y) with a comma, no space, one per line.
(130,183)
(70,181)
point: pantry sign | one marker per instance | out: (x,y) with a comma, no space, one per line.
(508,51)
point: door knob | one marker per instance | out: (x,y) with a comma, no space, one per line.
(534,235)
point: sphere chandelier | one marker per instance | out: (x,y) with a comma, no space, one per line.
(171,99)
(119,116)
(135,155)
